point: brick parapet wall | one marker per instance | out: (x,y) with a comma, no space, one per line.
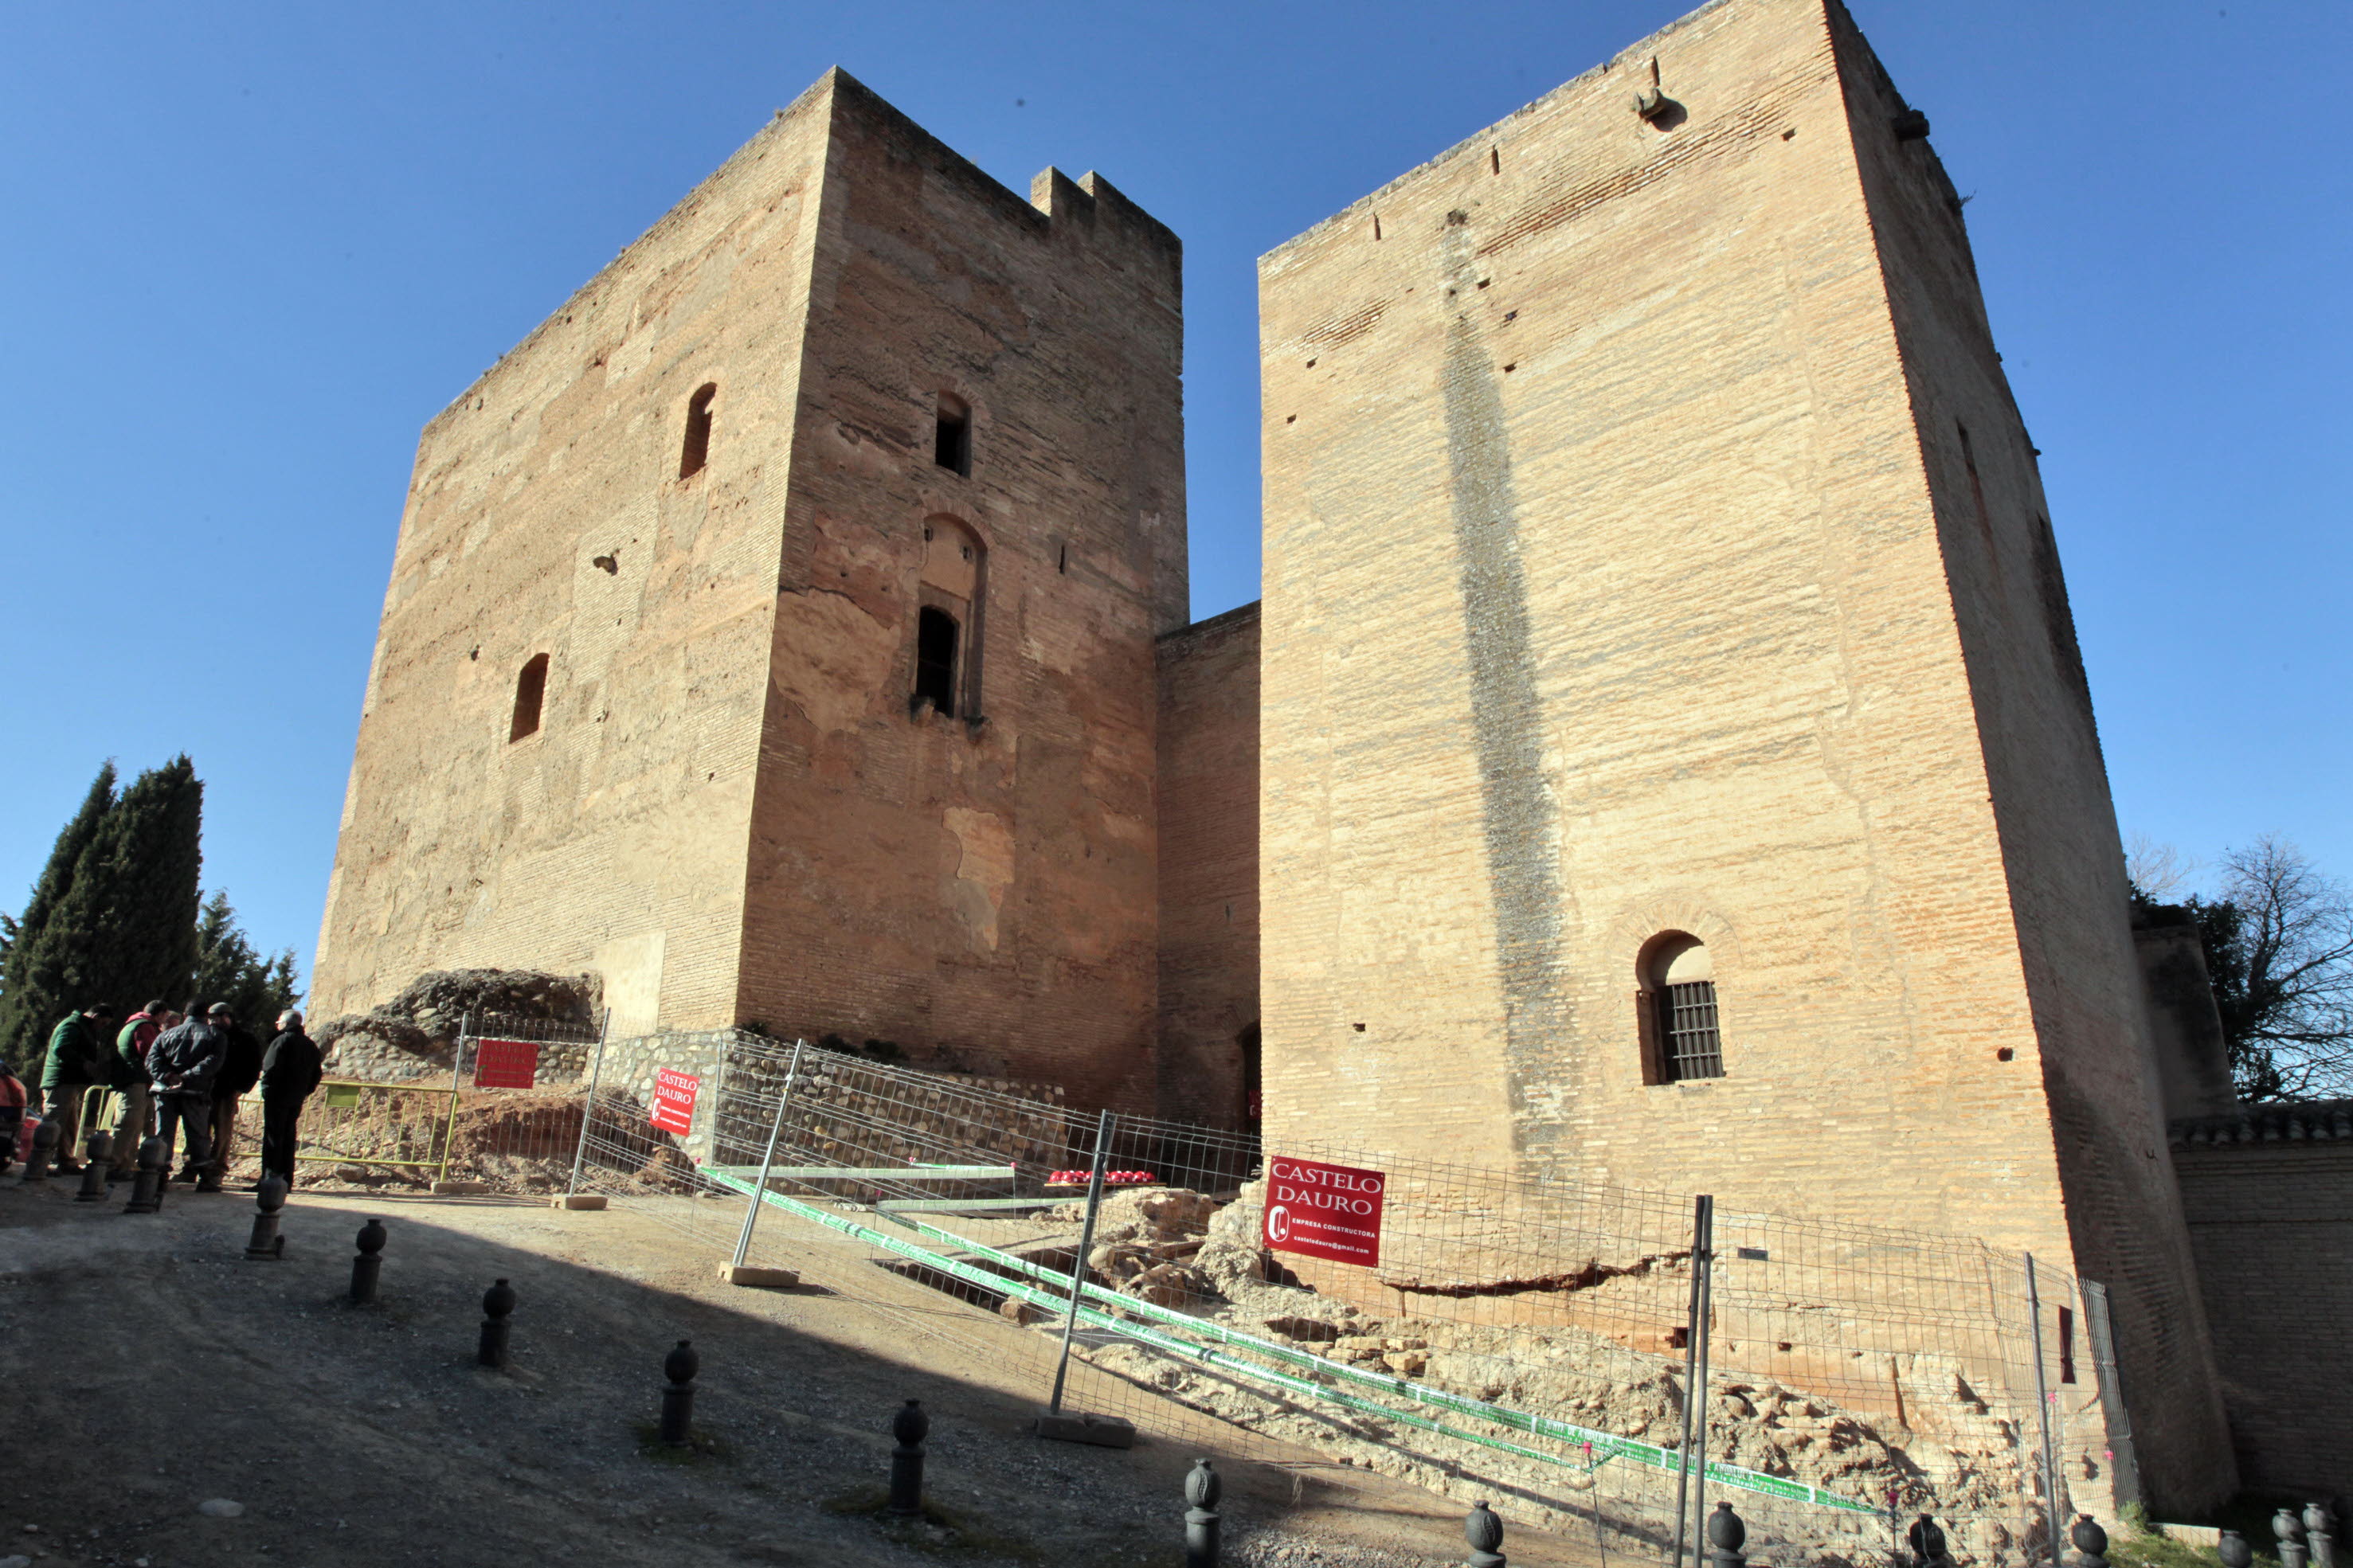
(2269,1197)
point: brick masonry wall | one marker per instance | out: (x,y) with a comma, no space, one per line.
(2062,856)
(2272,1221)
(1208,864)
(547,516)
(1607,594)
(985,887)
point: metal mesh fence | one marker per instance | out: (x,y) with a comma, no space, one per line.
(1515,1337)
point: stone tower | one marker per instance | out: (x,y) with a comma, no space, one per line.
(773,630)
(1661,609)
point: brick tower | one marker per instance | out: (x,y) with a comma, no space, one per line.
(773,630)
(1679,770)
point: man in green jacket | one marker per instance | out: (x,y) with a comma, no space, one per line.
(77,1062)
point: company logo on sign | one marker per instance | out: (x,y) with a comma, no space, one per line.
(505,1064)
(1323,1211)
(674,1095)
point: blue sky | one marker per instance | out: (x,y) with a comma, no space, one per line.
(251,249)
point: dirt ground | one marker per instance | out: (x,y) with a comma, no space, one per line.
(149,1368)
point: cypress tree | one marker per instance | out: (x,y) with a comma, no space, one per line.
(47,960)
(143,934)
(228,970)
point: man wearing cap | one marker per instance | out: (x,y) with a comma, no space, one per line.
(241,1070)
(136,1107)
(181,1064)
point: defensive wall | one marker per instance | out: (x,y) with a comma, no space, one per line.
(1208,868)
(1627,583)
(646,692)
(2269,1190)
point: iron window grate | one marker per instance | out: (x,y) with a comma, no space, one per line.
(1687,1023)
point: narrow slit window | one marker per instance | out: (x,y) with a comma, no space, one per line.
(951,436)
(2066,1344)
(530,692)
(936,634)
(696,449)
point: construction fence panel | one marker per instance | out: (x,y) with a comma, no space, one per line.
(1489,1335)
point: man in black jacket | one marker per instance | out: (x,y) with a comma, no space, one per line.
(290,1071)
(241,1070)
(183,1064)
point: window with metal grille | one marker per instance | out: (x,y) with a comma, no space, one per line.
(1689,1045)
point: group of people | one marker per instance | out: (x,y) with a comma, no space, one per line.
(173,1073)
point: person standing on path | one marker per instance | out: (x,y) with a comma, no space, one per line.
(134,1115)
(76,1063)
(241,1070)
(181,1064)
(291,1069)
(12,1114)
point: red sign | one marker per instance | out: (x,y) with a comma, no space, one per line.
(1323,1211)
(674,1095)
(506,1064)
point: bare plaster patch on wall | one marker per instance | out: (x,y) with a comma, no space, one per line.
(984,870)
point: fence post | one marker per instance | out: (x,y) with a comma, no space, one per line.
(1105,1123)
(760,1193)
(457,1065)
(1694,1375)
(2042,1412)
(588,1106)
(1202,1489)
(2319,1536)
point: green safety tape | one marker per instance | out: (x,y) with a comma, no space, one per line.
(1604,1445)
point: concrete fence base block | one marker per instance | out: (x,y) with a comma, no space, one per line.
(745,1274)
(457,1189)
(577,1200)
(1102,1431)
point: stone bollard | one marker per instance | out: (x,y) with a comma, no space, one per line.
(2234,1550)
(497,1302)
(1927,1539)
(43,1151)
(2091,1542)
(1202,1489)
(368,1267)
(678,1396)
(1726,1533)
(266,1244)
(2319,1536)
(147,1188)
(2293,1552)
(910,1425)
(97,1150)
(1484,1531)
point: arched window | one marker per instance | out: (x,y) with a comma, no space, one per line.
(1676,1009)
(531,691)
(936,637)
(696,450)
(950,603)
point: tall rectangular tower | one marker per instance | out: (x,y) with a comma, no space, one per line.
(771,631)
(1679,772)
